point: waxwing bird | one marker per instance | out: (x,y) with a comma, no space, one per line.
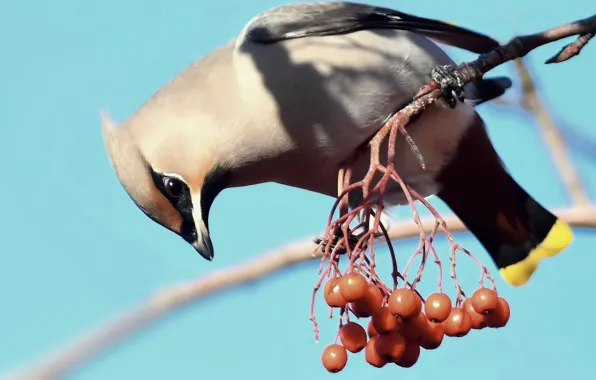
(294,95)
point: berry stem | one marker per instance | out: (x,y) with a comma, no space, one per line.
(361,254)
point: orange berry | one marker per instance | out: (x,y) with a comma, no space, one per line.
(384,321)
(371,355)
(369,304)
(352,286)
(404,303)
(409,357)
(370,329)
(500,316)
(390,346)
(352,336)
(414,329)
(332,294)
(477,320)
(434,336)
(485,300)
(437,307)
(458,323)
(334,358)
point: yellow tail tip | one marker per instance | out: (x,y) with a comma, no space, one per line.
(558,238)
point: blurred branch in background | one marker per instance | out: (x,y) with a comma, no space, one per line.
(164,302)
(551,135)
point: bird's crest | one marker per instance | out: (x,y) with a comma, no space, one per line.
(126,160)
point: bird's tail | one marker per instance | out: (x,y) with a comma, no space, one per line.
(512,226)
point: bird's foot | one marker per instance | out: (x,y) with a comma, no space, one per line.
(352,241)
(451,81)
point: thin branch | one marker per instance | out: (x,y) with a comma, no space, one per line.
(572,49)
(552,137)
(175,297)
(520,46)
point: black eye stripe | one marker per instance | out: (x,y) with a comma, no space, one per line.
(215,181)
(181,201)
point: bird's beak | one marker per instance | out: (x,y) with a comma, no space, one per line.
(202,243)
(204,246)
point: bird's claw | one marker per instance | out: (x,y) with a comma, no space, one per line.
(352,241)
(451,81)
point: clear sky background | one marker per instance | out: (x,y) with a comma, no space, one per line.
(76,251)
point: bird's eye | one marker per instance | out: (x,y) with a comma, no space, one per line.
(173,186)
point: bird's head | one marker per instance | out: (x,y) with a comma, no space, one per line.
(173,181)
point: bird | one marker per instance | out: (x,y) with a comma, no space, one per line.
(295,93)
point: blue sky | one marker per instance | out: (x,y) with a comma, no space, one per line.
(76,251)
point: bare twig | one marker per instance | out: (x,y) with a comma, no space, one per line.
(520,46)
(552,137)
(572,49)
(517,48)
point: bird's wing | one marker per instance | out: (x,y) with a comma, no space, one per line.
(328,18)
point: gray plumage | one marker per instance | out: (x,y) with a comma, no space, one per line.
(292,97)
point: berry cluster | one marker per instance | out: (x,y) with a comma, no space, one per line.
(398,325)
